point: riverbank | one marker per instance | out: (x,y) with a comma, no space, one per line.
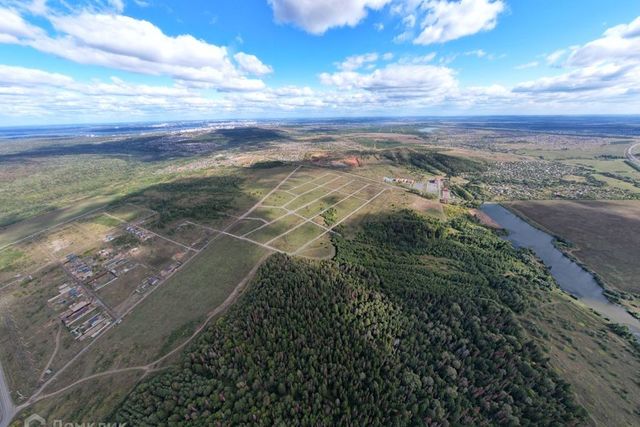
(570,276)
(600,236)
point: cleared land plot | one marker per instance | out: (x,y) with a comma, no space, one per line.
(305,188)
(268,214)
(27,328)
(129,212)
(245,226)
(606,234)
(69,239)
(157,253)
(305,176)
(278,198)
(98,225)
(318,206)
(320,248)
(20,260)
(356,186)
(45,221)
(307,198)
(186,233)
(298,237)
(346,207)
(368,192)
(116,292)
(267,233)
(172,312)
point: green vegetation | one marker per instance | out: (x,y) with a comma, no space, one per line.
(106,221)
(268,164)
(204,198)
(8,257)
(125,240)
(359,341)
(329,216)
(435,163)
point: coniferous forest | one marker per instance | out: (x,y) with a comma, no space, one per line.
(412,323)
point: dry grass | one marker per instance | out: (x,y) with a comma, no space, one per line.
(606,235)
(601,367)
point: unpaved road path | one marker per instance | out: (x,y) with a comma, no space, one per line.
(630,156)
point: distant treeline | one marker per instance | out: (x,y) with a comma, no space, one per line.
(435,162)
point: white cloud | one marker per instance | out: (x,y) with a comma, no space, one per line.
(117,5)
(478,53)
(27,92)
(397,81)
(603,68)
(409,20)
(420,59)
(317,16)
(355,62)
(251,64)
(450,20)
(555,57)
(620,43)
(13,27)
(531,64)
(38,7)
(124,43)
(29,77)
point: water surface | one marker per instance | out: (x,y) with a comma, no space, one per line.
(569,275)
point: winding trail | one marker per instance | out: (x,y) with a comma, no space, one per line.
(152,366)
(53,355)
(628,153)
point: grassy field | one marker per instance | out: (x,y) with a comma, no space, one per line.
(601,367)
(613,182)
(605,235)
(28,328)
(617,166)
(170,314)
(293,240)
(38,223)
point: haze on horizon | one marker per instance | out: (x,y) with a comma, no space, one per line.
(143,60)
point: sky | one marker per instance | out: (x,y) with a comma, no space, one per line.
(92,61)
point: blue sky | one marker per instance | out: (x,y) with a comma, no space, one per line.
(129,60)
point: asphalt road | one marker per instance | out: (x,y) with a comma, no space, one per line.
(7,409)
(630,156)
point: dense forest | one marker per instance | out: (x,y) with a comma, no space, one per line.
(412,323)
(435,162)
(202,198)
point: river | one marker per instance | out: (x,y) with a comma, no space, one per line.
(570,276)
